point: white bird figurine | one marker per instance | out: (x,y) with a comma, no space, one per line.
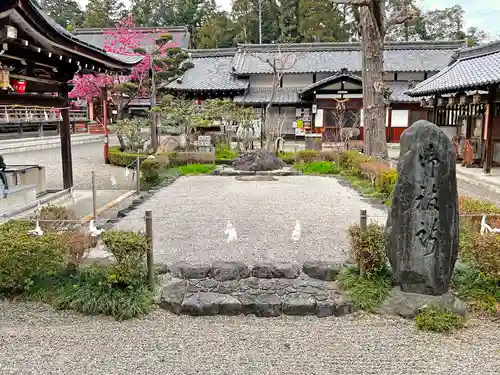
(296,232)
(113,181)
(37,231)
(127,172)
(230,232)
(485,227)
(38,207)
(94,232)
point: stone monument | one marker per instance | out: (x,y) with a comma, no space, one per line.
(423,223)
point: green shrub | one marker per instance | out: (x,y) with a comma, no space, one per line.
(439,319)
(287,157)
(478,291)
(366,292)
(387,182)
(151,170)
(483,251)
(196,169)
(350,162)
(56,218)
(93,291)
(123,159)
(129,249)
(24,257)
(369,245)
(222,152)
(307,156)
(318,167)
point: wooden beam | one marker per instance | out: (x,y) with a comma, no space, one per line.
(389,123)
(11,98)
(490,114)
(65,135)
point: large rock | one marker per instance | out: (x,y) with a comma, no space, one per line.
(172,296)
(423,226)
(317,269)
(268,270)
(260,160)
(408,305)
(209,303)
(222,271)
(183,270)
(299,304)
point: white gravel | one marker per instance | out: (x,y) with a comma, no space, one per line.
(190,217)
(36,340)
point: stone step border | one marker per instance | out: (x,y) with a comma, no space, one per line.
(266,289)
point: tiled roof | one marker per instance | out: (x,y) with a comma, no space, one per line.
(343,73)
(398,92)
(473,68)
(211,71)
(98,36)
(129,60)
(263,96)
(332,57)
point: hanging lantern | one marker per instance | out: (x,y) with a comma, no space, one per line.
(4,78)
(19,86)
(431,102)
(440,102)
(476,98)
(197,101)
(423,102)
(463,100)
(451,100)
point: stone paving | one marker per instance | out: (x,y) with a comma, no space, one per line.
(266,289)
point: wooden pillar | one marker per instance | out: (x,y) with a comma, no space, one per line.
(65,135)
(389,123)
(489,115)
(434,111)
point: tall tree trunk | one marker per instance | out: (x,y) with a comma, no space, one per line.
(373,86)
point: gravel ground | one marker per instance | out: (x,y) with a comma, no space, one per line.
(190,216)
(36,340)
(86,157)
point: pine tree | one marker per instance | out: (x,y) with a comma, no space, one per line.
(66,13)
(289,21)
(104,13)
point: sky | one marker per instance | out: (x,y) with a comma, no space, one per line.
(484,14)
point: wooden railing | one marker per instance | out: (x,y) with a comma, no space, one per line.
(15,122)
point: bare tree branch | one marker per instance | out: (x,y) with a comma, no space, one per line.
(353,2)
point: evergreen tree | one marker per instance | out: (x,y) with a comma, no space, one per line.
(66,13)
(104,13)
(289,21)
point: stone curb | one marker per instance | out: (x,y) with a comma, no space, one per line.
(492,186)
(265,289)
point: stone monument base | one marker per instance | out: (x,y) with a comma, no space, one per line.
(408,305)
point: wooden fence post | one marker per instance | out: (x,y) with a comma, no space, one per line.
(363,218)
(149,236)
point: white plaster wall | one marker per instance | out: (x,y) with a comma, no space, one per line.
(399,118)
(297,80)
(415,76)
(261,80)
(351,86)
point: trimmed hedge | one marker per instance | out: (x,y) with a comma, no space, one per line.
(123,159)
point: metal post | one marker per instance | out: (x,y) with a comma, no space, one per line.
(362,224)
(104,98)
(138,175)
(295,154)
(149,236)
(94,197)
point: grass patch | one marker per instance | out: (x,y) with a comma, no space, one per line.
(195,169)
(223,152)
(367,292)
(480,293)
(318,167)
(439,319)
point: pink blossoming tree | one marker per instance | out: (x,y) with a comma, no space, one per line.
(160,54)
